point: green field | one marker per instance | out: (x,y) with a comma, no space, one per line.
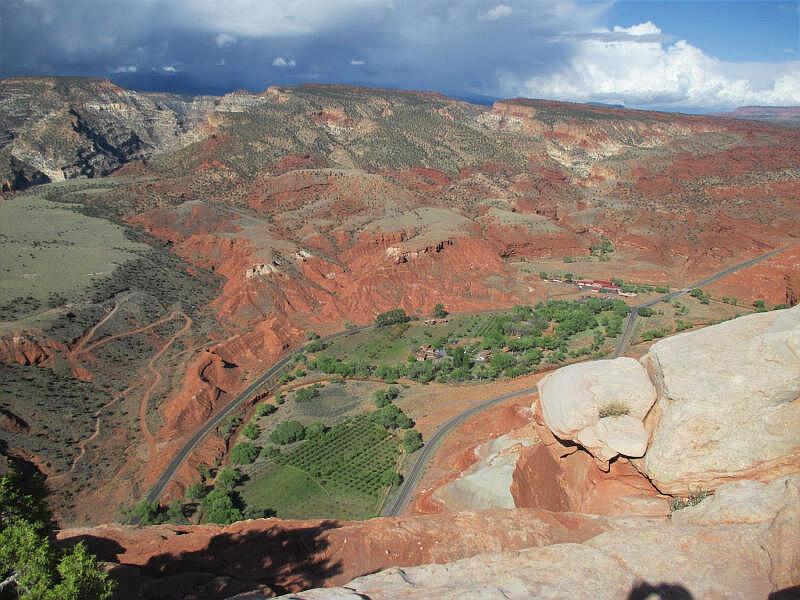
(339,474)
(52,252)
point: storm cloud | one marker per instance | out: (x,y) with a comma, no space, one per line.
(494,49)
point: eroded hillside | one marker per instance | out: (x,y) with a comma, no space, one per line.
(256,218)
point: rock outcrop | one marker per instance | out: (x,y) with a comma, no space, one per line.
(728,403)
(750,556)
(600,405)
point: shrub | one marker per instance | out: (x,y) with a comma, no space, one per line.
(646,312)
(309,393)
(613,409)
(251,430)
(288,432)
(315,429)
(439,311)
(196,491)
(693,499)
(760,305)
(265,409)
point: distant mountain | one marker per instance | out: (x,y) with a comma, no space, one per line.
(785,115)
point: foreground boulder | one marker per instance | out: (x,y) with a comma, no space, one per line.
(600,405)
(728,403)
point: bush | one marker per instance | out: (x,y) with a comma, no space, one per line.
(244,453)
(412,441)
(693,499)
(251,430)
(315,429)
(384,397)
(196,491)
(391,317)
(439,311)
(700,295)
(613,409)
(308,393)
(288,432)
(265,409)
(760,305)
(646,312)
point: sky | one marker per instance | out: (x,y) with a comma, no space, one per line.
(667,55)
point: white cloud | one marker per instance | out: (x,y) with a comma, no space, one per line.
(647,71)
(225,39)
(125,69)
(279,61)
(169,69)
(498,12)
(648,28)
(356,63)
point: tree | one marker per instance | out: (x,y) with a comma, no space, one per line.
(251,430)
(439,311)
(244,453)
(220,506)
(196,491)
(412,441)
(316,429)
(760,305)
(391,317)
(30,566)
(228,478)
(288,432)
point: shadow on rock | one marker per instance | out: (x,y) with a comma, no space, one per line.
(272,559)
(662,591)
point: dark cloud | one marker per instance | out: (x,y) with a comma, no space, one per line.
(495,48)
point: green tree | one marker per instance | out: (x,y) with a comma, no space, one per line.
(30,566)
(251,430)
(391,317)
(439,311)
(228,478)
(196,491)
(412,441)
(244,453)
(220,506)
(760,305)
(288,432)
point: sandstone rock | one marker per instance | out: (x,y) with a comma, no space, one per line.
(713,551)
(574,398)
(487,483)
(728,403)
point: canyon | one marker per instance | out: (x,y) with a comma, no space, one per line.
(252,219)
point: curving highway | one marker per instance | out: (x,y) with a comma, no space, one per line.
(630,322)
(398,503)
(155,492)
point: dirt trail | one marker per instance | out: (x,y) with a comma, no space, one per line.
(117,336)
(144,402)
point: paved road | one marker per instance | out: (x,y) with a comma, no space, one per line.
(630,323)
(394,507)
(398,504)
(155,492)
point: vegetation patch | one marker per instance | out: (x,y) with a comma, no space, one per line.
(613,409)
